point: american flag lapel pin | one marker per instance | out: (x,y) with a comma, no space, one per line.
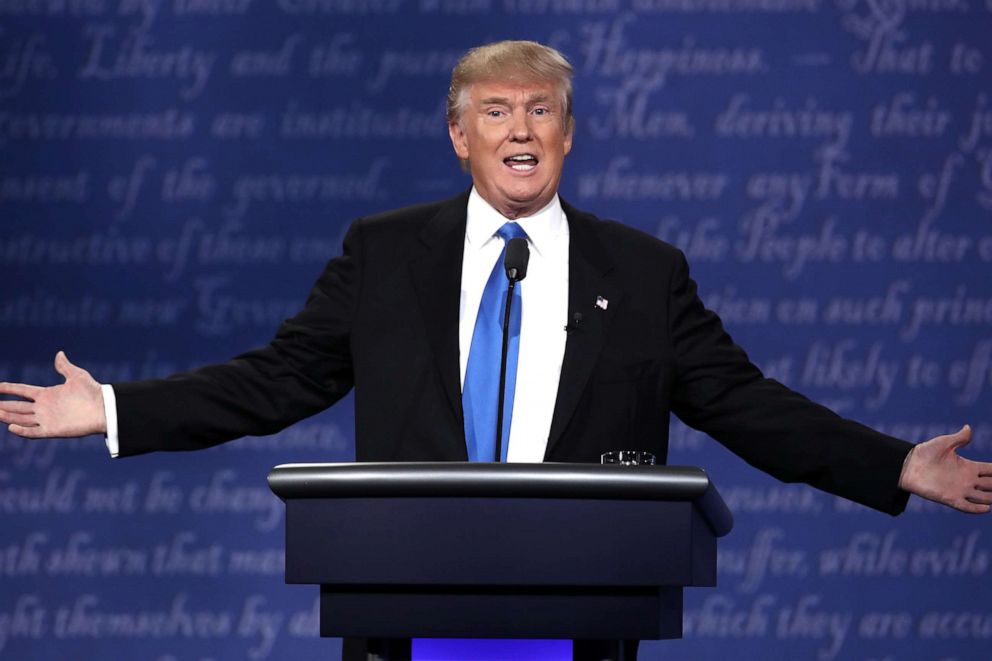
(601,302)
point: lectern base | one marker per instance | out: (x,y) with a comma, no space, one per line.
(398,649)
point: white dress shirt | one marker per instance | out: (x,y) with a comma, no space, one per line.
(542,326)
(110,411)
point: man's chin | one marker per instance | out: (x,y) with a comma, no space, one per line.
(524,204)
(520,208)
(516,201)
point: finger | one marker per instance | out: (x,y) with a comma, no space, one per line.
(973,508)
(960,438)
(19,390)
(979,496)
(25,419)
(63,366)
(16,406)
(26,432)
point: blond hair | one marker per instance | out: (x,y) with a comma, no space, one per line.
(510,60)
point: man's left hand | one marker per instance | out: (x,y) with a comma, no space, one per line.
(935,471)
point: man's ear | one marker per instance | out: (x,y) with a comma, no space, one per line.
(569,132)
(458,140)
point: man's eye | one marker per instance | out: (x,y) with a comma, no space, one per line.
(541,111)
(495,113)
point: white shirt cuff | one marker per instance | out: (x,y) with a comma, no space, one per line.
(110,411)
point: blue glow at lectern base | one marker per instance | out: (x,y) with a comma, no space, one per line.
(481,649)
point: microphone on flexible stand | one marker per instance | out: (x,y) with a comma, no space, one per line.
(515,263)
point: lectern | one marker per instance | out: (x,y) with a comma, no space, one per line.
(475,550)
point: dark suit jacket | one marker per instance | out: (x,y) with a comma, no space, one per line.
(383,318)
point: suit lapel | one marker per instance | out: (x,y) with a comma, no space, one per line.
(588,270)
(437,277)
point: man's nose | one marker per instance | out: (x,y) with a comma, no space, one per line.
(520,127)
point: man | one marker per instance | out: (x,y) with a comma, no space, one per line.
(613,336)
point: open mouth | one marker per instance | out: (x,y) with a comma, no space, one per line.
(521,162)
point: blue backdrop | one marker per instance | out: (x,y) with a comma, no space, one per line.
(174,174)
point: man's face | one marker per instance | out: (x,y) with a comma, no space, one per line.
(515,137)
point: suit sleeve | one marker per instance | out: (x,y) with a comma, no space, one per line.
(720,392)
(303,370)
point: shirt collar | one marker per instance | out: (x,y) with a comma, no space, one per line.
(542,227)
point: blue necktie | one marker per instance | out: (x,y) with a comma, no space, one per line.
(479,394)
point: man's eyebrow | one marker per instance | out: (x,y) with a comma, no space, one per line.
(538,97)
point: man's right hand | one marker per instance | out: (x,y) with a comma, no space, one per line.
(72,409)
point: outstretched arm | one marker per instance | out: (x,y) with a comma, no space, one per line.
(74,408)
(934,470)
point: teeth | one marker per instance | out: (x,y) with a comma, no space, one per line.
(521,162)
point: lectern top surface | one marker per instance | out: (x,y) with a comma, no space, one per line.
(501,480)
